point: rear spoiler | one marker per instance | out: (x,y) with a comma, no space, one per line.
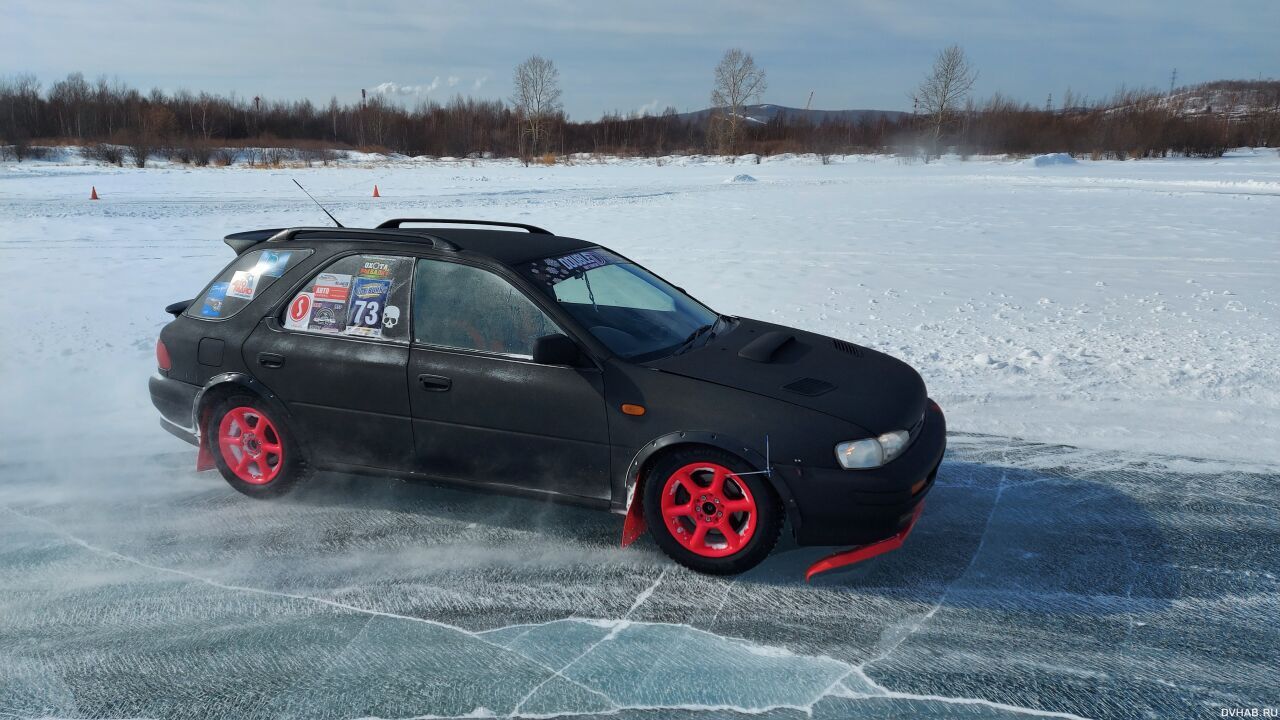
(242,241)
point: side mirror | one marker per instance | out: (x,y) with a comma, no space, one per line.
(556,349)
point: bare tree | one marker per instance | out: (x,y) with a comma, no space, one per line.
(536,96)
(738,82)
(944,91)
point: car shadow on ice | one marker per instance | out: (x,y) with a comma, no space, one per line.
(992,536)
(1011,539)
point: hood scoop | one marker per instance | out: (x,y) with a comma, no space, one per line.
(763,348)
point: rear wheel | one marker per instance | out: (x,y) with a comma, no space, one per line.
(253,450)
(708,517)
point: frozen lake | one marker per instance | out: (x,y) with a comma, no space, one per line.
(1041,580)
(1119,558)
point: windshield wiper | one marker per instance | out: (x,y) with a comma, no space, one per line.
(688,342)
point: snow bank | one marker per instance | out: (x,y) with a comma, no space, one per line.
(1051,159)
(743,178)
(1136,315)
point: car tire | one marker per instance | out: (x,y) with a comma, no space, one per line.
(706,516)
(253,448)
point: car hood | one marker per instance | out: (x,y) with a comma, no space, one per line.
(875,391)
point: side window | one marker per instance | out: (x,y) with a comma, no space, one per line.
(355,296)
(247,277)
(460,306)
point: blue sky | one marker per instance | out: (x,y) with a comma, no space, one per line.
(628,56)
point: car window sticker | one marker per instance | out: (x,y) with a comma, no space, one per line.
(299,313)
(391,317)
(214,299)
(329,303)
(243,285)
(272,264)
(559,269)
(377,268)
(368,300)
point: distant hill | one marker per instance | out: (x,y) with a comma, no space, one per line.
(766,113)
(1233,98)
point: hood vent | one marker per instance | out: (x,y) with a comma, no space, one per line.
(847,347)
(809,386)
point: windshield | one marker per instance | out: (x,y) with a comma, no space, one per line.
(633,312)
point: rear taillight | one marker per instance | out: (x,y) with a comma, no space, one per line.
(162,356)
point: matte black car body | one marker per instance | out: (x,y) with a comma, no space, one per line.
(778,398)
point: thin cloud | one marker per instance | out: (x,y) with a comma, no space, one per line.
(393,89)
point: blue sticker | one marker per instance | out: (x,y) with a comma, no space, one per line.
(213,300)
(368,300)
(272,263)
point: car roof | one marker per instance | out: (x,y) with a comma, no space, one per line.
(510,247)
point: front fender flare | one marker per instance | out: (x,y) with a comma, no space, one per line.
(634,525)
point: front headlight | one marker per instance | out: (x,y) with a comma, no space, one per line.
(872,452)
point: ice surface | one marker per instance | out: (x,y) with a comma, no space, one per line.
(1041,580)
(1122,315)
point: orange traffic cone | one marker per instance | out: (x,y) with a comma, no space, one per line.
(375,191)
(94,194)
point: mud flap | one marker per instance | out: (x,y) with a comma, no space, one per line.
(204,458)
(633,527)
(865,552)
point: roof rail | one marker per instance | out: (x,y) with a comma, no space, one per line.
(397,222)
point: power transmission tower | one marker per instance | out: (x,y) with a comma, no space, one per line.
(1173,78)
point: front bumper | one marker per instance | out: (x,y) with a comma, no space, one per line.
(857,507)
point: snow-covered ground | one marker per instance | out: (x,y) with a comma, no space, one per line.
(1114,305)
(1121,560)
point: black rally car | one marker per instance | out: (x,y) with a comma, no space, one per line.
(503,357)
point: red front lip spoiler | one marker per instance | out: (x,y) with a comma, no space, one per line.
(865,552)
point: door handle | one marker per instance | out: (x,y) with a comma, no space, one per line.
(434,383)
(270,360)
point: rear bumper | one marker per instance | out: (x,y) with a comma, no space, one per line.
(858,507)
(176,401)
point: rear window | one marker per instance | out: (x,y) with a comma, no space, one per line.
(243,280)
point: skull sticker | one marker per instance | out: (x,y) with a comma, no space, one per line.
(390,317)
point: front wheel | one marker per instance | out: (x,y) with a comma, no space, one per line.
(253,450)
(708,517)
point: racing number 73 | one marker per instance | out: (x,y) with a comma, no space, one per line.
(365,312)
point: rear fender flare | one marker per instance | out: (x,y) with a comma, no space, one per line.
(634,487)
(231,381)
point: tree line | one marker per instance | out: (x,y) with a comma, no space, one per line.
(115,122)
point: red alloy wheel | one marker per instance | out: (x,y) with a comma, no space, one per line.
(708,509)
(250,445)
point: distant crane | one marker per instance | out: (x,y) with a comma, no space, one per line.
(810,101)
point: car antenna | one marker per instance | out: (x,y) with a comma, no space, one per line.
(317,202)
